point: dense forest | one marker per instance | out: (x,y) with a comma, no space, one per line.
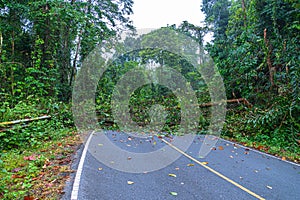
(43,44)
(255,47)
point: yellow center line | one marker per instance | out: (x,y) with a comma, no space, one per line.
(214,171)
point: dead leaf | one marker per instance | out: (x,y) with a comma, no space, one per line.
(17,176)
(269,187)
(174,193)
(173,175)
(283,158)
(28,198)
(31,158)
(260,147)
(190,165)
(16,169)
(129,158)
(49,185)
(221,148)
(130,182)
(204,163)
(213,148)
(100,168)
(177,168)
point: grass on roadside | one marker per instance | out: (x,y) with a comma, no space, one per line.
(40,172)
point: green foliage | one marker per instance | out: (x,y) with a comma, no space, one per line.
(216,15)
(256,128)
(258,59)
(44,42)
(28,171)
(142,100)
(34,133)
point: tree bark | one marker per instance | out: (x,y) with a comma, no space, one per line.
(240,100)
(244,11)
(269,62)
(1,44)
(73,72)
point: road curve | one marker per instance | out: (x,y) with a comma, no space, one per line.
(230,171)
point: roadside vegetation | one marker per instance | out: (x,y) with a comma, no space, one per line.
(44,43)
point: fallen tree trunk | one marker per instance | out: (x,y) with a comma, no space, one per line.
(23,121)
(240,100)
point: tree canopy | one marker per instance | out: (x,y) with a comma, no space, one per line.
(44,42)
(256,48)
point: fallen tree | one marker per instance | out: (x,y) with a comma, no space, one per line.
(9,125)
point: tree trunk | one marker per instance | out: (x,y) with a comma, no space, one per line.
(13,61)
(245,14)
(78,46)
(268,57)
(1,44)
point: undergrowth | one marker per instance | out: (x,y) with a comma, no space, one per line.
(273,133)
(35,157)
(40,172)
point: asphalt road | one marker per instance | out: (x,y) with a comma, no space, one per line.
(229,171)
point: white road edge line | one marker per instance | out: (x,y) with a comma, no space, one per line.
(260,152)
(75,189)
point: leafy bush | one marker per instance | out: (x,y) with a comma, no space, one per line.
(274,130)
(33,133)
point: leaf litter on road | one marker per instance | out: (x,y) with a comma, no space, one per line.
(130,182)
(221,148)
(174,193)
(269,187)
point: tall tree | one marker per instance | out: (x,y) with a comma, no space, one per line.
(258,58)
(217,13)
(50,39)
